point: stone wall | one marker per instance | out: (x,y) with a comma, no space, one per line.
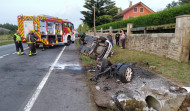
(159,44)
(171,45)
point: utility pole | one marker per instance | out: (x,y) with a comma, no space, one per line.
(94,22)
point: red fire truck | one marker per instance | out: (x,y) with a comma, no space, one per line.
(50,30)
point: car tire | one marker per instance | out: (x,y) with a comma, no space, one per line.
(103,64)
(125,74)
(101,55)
(102,39)
(93,56)
(92,48)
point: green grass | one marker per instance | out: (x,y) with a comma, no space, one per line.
(6,42)
(87,61)
(5,39)
(178,72)
(77,43)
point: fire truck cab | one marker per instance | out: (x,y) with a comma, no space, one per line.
(50,30)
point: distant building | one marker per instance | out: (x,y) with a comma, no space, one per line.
(136,10)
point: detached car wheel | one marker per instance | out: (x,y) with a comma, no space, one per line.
(125,74)
(102,64)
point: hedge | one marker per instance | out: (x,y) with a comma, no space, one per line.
(160,18)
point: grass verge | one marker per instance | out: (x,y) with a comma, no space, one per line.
(87,61)
(5,42)
(5,39)
(178,72)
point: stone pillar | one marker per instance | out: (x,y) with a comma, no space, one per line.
(129,26)
(182,34)
(110,29)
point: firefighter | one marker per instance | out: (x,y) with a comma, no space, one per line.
(31,40)
(18,43)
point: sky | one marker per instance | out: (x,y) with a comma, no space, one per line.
(65,9)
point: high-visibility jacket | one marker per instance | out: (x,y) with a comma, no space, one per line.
(18,37)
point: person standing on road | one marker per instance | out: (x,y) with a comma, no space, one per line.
(18,43)
(109,37)
(122,38)
(31,40)
(117,36)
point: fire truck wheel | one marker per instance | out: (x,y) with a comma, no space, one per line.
(68,43)
(37,46)
(125,74)
(50,46)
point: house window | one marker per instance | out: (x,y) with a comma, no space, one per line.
(141,9)
(135,9)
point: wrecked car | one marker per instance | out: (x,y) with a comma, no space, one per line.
(98,48)
(122,71)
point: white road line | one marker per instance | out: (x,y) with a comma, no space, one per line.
(3,56)
(34,97)
(14,53)
(26,48)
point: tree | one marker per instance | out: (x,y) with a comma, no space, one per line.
(11,27)
(79,28)
(85,28)
(102,7)
(173,4)
(181,2)
(105,19)
(82,28)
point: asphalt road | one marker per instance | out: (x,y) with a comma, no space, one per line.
(53,80)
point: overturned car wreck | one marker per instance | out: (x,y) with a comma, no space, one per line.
(96,48)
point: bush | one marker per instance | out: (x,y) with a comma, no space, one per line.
(163,17)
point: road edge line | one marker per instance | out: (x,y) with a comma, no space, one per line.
(34,97)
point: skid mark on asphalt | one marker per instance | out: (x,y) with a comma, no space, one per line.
(68,66)
(34,97)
